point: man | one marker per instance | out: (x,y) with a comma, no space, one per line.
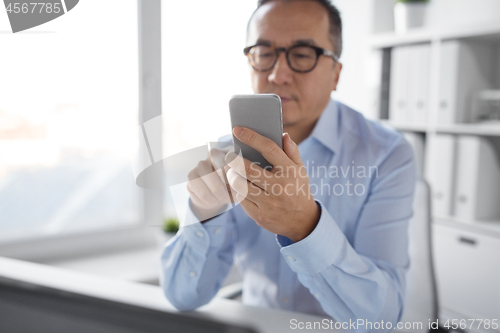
(335,242)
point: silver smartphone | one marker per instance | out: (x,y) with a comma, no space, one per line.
(261,113)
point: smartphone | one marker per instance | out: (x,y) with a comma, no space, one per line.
(261,113)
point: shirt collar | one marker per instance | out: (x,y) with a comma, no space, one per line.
(327,128)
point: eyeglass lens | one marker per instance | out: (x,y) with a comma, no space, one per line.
(300,58)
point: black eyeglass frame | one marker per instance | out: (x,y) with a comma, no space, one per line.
(319,52)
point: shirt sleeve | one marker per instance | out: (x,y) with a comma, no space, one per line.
(195,262)
(364,280)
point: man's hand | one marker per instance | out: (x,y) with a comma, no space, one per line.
(209,192)
(278,200)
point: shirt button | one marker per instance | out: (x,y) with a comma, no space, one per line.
(285,300)
(217,231)
(317,295)
(290,258)
(199,234)
(192,273)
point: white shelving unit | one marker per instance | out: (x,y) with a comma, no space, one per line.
(482,129)
(465,129)
(470,129)
(390,39)
(405,127)
(466,251)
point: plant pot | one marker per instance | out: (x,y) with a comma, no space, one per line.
(408,16)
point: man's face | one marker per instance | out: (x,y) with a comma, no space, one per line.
(283,24)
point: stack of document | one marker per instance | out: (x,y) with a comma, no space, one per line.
(410,81)
(465,176)
(464,69)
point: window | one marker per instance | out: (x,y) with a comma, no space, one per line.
(68,123)
(202,67)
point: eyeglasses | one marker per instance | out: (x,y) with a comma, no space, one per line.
(300,58)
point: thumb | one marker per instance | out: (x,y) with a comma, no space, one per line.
(291,149)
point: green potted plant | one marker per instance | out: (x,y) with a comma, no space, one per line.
(409,14)
(169,228)
(171,225)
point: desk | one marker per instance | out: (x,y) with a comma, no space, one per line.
(148,296)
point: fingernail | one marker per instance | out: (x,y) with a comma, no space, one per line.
(289,138)
(238,131)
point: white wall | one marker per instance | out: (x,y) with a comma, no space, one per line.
(353,88)
(463,13)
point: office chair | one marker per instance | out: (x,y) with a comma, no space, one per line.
(420,304)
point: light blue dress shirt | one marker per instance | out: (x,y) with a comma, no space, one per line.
(352,266)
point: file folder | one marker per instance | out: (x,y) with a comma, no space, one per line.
(441,172)
(465,69)
(478,179)
(399,84)
(419,81)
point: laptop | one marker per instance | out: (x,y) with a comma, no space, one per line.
(26,307)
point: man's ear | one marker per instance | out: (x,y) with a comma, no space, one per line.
(336,75)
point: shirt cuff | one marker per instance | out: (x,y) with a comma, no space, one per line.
(204,235)
(318,250)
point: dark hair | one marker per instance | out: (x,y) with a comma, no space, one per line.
(335,30)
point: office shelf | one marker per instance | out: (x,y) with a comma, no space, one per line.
(488,129)
(487,228)
(390,39)
(421,35)
(483,129)
(405,127)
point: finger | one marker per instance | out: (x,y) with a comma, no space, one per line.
(231,157)
(223,175)
(245,189)
(237,183)
(218,162)
(215,181)
(200,193)
(203,168)
(195,198)
(251,171)
(217,158)
(291,149)
(204,211)
(248,206)
(267,147)
(209,188)
(217,187)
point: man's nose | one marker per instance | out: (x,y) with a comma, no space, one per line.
(281,73)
